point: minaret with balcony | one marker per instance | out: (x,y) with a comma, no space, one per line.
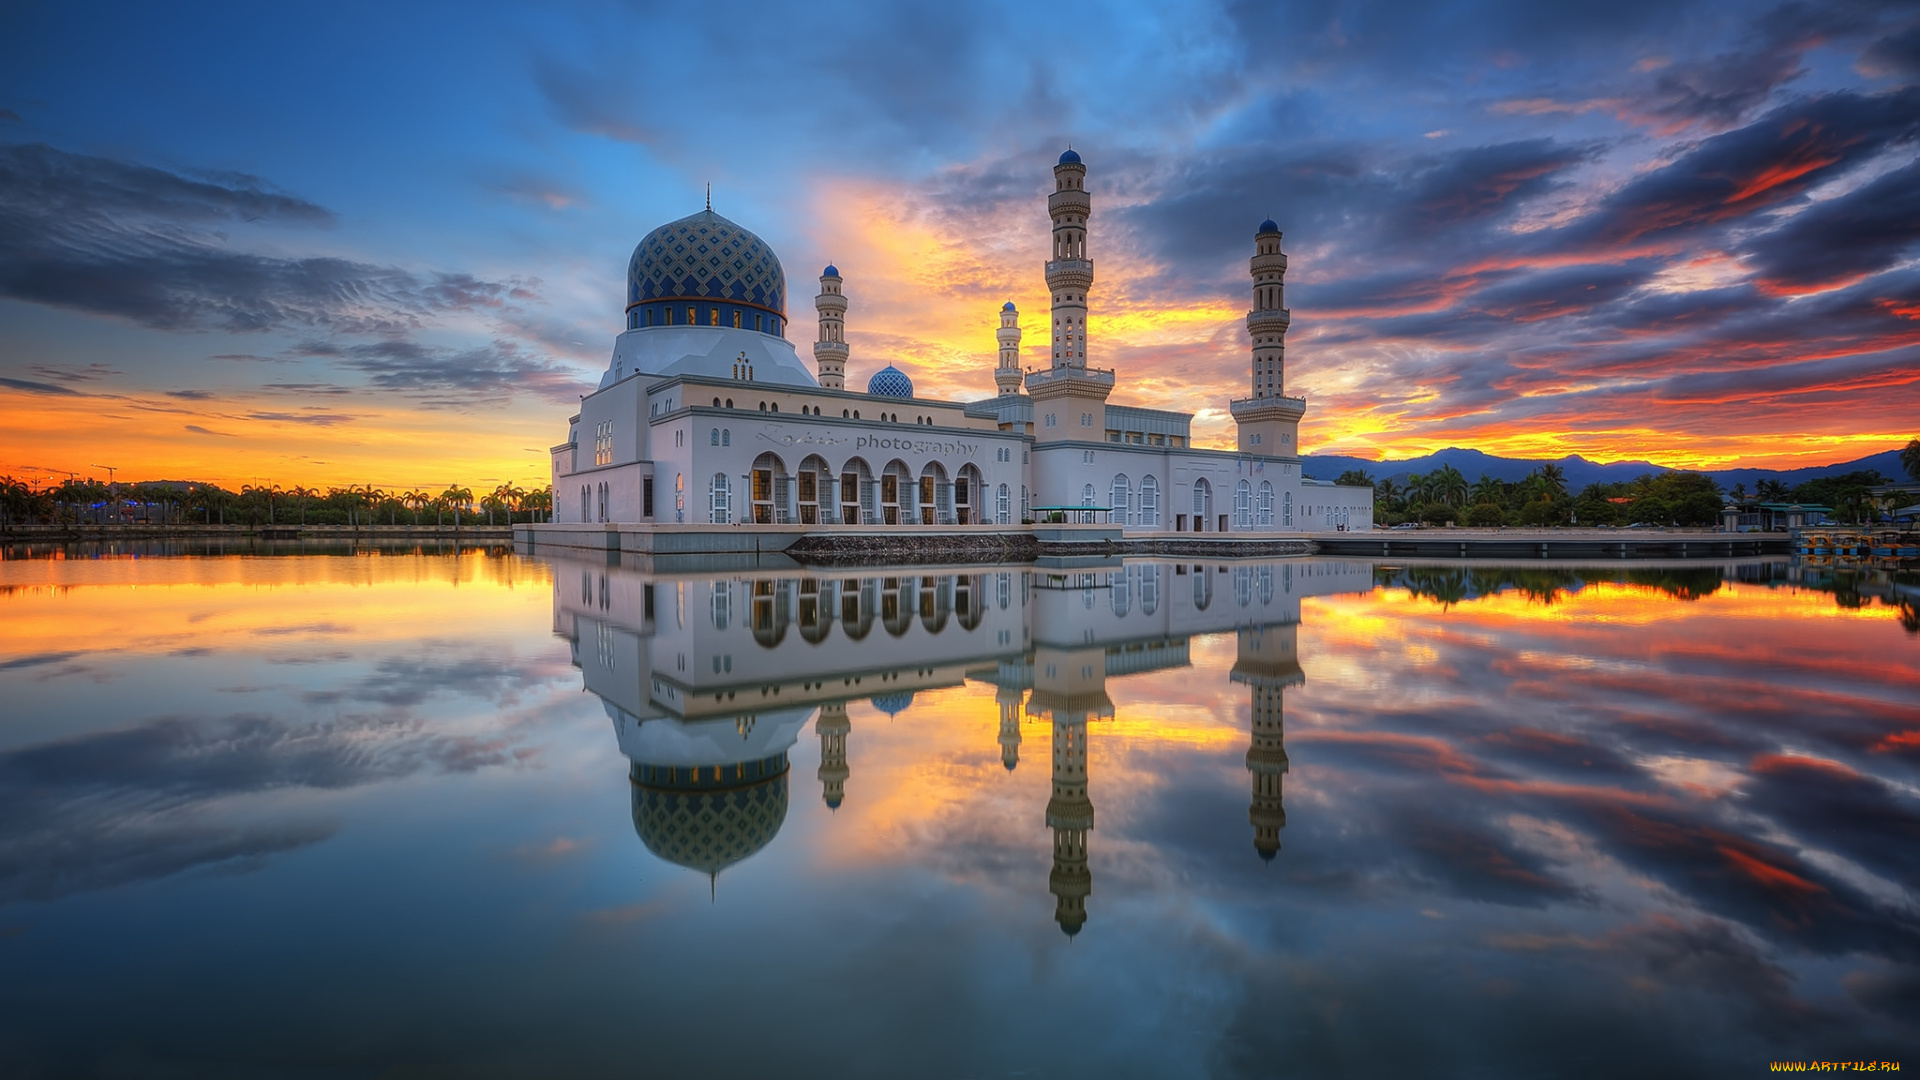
(1009,698)
(830,352)
(1269,421)
(1070,689)
(833,727)
(1006,376)
(1268,661)
(1070,398)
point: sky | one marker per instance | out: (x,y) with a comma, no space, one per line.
(385,244)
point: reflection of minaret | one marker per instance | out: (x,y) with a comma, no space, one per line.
(1268,662)
(1069,686)
(1009,699)
(832,726)
(1070,816)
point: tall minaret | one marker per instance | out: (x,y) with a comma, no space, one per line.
(1269,421)
(832,726)
(1007,375)
(1268,662)
(830,352)
(1069,272)
(1069,398)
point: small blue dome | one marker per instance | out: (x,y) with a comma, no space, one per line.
(1069,158)
(830,271)
(893,704)
(1268,226)
(1008,306)
(890,381)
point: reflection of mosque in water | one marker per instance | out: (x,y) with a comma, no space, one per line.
(710,682)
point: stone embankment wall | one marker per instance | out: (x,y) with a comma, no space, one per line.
(909,549)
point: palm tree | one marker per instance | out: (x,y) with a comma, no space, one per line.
(1488,490)
(1450,486)
(1910,458)
(1771,491)
(539,501)
(456,497)
(1739,493)
(1555,480)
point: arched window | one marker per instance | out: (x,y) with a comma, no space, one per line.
(720,499)
(1004,512)
(713,437)
(1122,499)
(1286,510)
(1263,506)
(1086,495)
(1149,502)
(1202,502)
(726,436)
(1243,505)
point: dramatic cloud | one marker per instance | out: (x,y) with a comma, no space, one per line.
(132,242)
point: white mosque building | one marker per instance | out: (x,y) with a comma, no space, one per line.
(707,416)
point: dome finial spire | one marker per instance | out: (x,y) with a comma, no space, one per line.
(709,194)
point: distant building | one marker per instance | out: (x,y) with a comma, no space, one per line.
(707,416)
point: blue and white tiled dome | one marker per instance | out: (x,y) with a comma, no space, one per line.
(698,261)
(890,381)
(893,704)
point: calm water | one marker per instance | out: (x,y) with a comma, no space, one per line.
(435,814)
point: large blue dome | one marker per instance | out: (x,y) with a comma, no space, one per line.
(704,257)
(1069,158)
(1268,226)
(890,381)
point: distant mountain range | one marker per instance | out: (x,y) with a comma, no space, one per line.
(1579,471)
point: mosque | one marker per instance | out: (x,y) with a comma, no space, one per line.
(710,682)
(706,415)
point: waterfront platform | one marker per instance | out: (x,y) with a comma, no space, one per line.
(1533,544)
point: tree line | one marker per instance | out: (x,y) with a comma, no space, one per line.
(168,502)
(1542,498)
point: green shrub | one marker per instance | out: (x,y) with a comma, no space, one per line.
(1486,516)
(1438,514)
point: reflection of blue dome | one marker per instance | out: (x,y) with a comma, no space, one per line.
(890,381)
(893,704)
(1069,158)
(1268,226)
(830,271)
(704,256)
(709,818)
(1008,306)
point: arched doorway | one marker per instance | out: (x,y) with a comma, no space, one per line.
(968,499)
(856,493)
(814,491)
(771,494)
(1202,504)
(935,496)
(896,491)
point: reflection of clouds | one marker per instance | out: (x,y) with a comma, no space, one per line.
(157,798)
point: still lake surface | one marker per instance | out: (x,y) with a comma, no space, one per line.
(435,813)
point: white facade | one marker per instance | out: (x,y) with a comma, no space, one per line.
(701,419)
